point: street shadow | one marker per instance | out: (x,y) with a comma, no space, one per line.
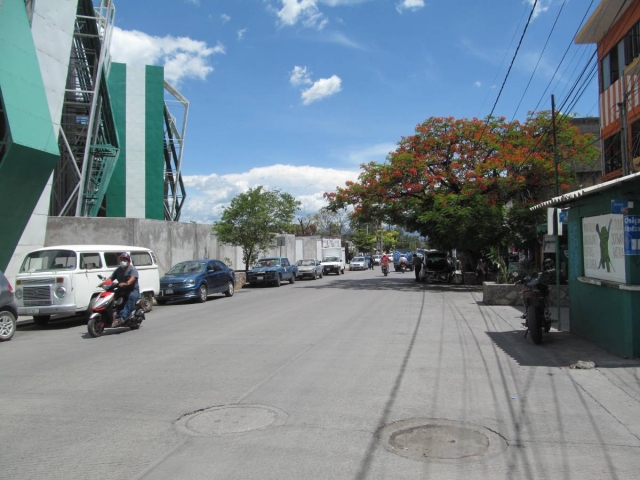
(54,324)
(558,349)
(394,281)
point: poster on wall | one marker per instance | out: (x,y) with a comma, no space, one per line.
(603,247)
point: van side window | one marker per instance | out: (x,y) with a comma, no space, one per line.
(141,259)
(90,261)
(111,259)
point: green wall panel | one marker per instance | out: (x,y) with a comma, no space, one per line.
(154,166)
(117,189)
(33,153)
(605,315)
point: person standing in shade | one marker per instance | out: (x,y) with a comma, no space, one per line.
(417,265)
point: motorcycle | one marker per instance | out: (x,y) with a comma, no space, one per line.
(535,298)
(445,276)
(106,306)
(385,270)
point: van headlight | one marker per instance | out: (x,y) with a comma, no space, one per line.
(19,293)
(60,292)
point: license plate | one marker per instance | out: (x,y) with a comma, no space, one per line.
(168,291)
(259,278)
(33,311)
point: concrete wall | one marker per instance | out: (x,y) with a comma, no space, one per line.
(172,242)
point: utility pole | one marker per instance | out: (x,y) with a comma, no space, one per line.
(624,140)
(555,210)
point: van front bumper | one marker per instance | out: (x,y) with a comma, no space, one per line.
(48,310)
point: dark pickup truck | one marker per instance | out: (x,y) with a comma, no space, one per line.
(272,271)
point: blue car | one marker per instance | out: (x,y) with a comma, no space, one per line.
(196,280)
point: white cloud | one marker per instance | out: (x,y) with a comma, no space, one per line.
(541,7)
(207,195)
(225,18)
(182,57)
(300,76)
(375,153)
(241,33)
(477,84)
(341,39)
(412,5)
(325,87)
(305,11)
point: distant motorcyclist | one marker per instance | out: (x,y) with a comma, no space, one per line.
(127,276)
(384,261)
(403,262)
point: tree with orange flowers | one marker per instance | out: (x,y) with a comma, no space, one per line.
(468,184)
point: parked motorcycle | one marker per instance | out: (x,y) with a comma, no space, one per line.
(535,298)
(106,306)
(446,276)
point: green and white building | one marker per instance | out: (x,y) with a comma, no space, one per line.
(80,135)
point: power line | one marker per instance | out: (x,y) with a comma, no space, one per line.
(524,11)
(535,3)
(539,59)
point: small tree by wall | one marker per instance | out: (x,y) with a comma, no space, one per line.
(253,218)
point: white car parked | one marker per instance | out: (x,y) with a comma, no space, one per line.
(358,263)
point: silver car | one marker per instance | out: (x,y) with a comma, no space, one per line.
(309,268)
(8,309)
(358,263)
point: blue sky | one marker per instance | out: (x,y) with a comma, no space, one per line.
(296,94)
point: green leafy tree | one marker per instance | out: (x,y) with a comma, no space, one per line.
(388,239)
(253,218)
(363,241)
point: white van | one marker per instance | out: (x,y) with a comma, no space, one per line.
(62,280)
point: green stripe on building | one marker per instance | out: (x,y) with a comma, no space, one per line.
(154,136)
(32,149)
(116,192)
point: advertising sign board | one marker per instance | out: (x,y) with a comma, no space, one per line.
(603,247)
(632,235)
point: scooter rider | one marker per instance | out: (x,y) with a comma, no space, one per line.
(127,276)
(384,261)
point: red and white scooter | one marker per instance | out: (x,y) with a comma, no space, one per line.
(106,307)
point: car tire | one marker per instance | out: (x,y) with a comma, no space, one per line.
(277,281)
(203,293)
(292,279)
(146,302)
(229,291)
(7,325)
(41,320)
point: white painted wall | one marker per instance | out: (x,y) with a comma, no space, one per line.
(135,148)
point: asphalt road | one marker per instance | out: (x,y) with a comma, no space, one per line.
(346,377)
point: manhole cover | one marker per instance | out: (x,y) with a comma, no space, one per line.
(230,419)
(437,440)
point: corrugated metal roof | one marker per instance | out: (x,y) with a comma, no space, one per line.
(572,196)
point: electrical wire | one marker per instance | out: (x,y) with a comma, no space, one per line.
(504,57)
(539,59)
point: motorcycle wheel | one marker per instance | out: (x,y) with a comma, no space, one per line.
(457,279)
(534,324)
(95,326)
